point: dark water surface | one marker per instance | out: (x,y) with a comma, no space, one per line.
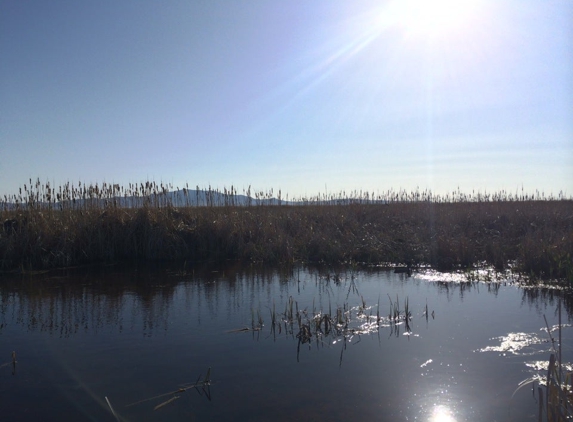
(135,334)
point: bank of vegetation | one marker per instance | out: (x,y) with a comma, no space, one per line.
(44,228)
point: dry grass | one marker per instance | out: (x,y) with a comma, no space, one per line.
(73,225)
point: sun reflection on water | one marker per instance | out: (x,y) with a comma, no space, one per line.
(442,413)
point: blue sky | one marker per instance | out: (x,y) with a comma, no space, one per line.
(302,96)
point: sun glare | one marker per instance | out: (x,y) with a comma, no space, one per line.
(433,18)
(442,414)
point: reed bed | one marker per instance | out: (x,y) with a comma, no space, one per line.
(335,324)
(46,227)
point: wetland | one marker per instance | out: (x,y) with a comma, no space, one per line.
(247,342)
(144,303)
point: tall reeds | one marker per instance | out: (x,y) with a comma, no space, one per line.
(46,226)
(558,404)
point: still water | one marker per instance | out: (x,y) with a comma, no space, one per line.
(143,337)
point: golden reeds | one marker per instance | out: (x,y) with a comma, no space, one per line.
(45,227)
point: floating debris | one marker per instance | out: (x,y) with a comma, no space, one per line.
(111,408)
(165,403)
(201,386)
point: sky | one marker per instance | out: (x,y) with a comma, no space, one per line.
(306,97)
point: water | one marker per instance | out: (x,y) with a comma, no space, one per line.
(131,335)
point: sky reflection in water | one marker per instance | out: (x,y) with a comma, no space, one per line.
(134,335)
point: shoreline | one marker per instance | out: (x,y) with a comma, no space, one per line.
(536,236)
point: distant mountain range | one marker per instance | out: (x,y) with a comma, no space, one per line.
(191,198)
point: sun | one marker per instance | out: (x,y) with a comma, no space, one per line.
(433,18)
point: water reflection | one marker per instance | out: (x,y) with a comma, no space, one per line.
(65,307)
(458,289)
(518,344)
(143,299)
(540,298)
(442,413)
(274,338)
